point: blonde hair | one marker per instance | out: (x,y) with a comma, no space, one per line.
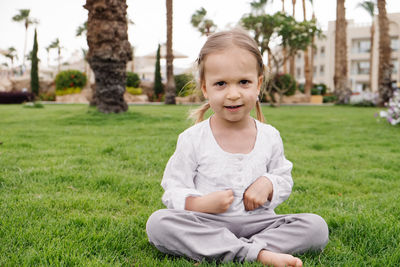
(218,42)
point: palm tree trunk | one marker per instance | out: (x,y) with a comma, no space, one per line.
(109,51)
(292,62)
(307,72)
(284,51)
(371,53)
(341,76)
(26,38)
(170,90)
(312,56)
(385,66)
(133,59)
(59,58)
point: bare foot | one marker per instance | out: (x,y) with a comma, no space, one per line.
(278,259)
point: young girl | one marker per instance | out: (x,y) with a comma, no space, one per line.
(229,172)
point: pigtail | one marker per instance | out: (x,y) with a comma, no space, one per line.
(260,115)
(198,114)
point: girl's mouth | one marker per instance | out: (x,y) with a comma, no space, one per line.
(233,107)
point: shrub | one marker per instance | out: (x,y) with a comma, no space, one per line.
(184,84)
(15,97)
(285,82)
(70,79)
(33,105)
(364,99)
(47,96)
(134,91)
(329,98)
(392,115)
(68,91)
(318,89)
(132,79)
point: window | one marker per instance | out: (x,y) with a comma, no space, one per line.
(298,57)
(361,46)
(361,87)
(395,65)
(298,72)
(394,44)
(321,70)
(322,51)
(314,71)
(360,67)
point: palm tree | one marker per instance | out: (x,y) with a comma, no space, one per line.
(48,48)
(369,6)
(292,63)
(170,88)
(11,54)
(341,76)
(82,29)
(56,45)
(307,71)
(284,52)
(204,25)
(385,66)
(258,6)
(313,50)
(109,52)
(23,16)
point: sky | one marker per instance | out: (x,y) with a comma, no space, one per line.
(61,18)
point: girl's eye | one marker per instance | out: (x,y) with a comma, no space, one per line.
(244,82)
(220,83)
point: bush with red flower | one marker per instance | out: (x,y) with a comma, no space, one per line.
(70,82)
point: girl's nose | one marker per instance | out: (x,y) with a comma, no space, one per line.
(233,93)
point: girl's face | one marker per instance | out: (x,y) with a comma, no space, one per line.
(231,83)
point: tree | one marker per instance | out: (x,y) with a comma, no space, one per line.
(158,86)
(313,48)
(340,78)
(56,45)
(82,29)
(307,71)
(284,48)
(48,48)
(11,54)
(292,35)
(23,16)
(204,25)
(109,51)
(258,7)
(292,62)
(34,67)
(170,88)
(369,7)
(385,66)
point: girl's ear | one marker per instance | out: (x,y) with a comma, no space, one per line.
(204,90)
(260,81)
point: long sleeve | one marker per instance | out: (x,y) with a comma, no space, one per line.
(179,174)
(279,173)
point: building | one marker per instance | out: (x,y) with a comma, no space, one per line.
(358,49)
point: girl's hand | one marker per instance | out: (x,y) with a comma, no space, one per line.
(215,202)
(257,193)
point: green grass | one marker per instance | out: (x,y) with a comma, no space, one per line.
(77,186)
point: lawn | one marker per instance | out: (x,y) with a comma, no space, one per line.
(77,186)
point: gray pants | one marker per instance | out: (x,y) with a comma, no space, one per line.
(238,238)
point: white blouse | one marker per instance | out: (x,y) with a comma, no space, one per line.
(200,166)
